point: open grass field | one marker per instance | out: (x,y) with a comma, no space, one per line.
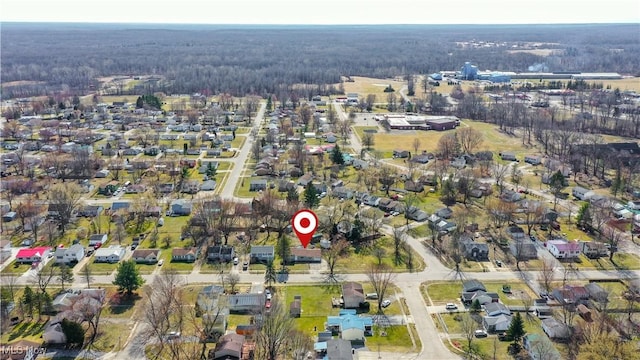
(494,140)
(364,86)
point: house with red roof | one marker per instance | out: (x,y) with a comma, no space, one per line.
(563,249)
(32,255)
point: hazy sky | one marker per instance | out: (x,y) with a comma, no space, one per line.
(323,11)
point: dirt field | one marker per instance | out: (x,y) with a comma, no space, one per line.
(364,86)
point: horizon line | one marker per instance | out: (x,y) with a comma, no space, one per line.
(307,24)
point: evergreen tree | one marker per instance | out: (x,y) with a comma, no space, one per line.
(127,277)
(311,196)
(584,216)
(211,170)
(516,330)
(336,155)
(475,306)
(270,273)
(292,195)
(283,248)
(73,331)
(28,298)
(269,103)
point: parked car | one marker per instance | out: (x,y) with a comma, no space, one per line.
(235,261)
(245,266)
(499,263)
(533,238)
(480,333)
(160,262)
(385,303)
(451,306)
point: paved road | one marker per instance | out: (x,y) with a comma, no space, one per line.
(240,159)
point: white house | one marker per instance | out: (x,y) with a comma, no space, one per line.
(262,253)
(111,254)
(562,249)
(634,205)
(32,255)
(74,253)
(97,238)
(581,193)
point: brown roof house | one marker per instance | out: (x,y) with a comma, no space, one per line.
(228,347)
(145,256)
(302,255)
(352,294)
(184,255)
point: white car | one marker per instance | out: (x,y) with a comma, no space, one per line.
(480,333)
(451,306)
(385,303)
(235,261)
(160,262)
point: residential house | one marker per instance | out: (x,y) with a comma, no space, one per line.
(67,300)
(538,350)
(181,207)
(53,334)
(401,154)
(262,253)
(352,295)
(511,196)
(495,309)
(302,255)
(360,164)
(165,188)
(570,294)
(208,185)
(516,232)
(523,250)
(596,292)
(228,347)
(96,239)
(190,187)
(581,193)
(70,255)
(371,200)
(533,159)
(258,185)
(413,186)
(415,214)
(337,349)
(219,253)
(473,250)
(111,254)
(562,249)
(32,255)
(593,249)
(146,256)
(498,323)
(90,211)
(207,299)
(349,326)
(444,213)
(483,298)
(342,192)
(188,255)
(246,303)
(556,330)
(120,206)
(473,286)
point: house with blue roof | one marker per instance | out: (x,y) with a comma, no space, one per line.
(349,326)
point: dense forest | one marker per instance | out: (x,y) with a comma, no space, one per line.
(258,60)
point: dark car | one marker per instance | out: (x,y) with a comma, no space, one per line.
(245,266)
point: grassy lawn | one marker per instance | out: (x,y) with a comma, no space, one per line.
(120,305)
(621,261)
(441,292)
(215,268)
(238,142)
(111,335)
(242,187)
(102,268)
(15,268)
(26,330)
(395,338)
(316,305)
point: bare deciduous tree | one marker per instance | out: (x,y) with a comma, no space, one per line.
(338,249)
(380,277)
(273,333)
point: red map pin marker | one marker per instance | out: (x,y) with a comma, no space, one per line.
(304,223)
